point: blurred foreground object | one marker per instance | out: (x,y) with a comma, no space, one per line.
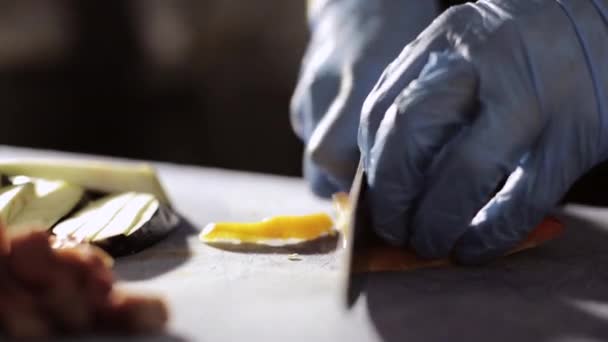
(46,292)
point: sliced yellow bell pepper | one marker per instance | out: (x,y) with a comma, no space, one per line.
(274,231)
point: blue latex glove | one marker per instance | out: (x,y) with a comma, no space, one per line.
(500,89)
(352,42)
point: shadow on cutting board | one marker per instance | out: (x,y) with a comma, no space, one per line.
(164,256)
(554,292)
(323,245)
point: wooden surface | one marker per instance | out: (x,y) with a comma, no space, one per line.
(558,292)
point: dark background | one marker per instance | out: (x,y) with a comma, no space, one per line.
(204,82)
(197,82)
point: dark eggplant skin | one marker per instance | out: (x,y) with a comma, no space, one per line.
(5,180)
(161,224)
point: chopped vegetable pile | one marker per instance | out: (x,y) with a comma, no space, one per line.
(121,208)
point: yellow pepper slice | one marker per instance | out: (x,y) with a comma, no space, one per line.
(341,203)
(274,231)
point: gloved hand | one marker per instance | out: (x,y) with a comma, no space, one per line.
(351,43)
(513,90)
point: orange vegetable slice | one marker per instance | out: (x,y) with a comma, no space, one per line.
(274,231)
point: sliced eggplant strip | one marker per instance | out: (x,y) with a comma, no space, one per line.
(93,218)
(51,201)
(128,216)
(73,223)
(163,221)
(12,201)
(104,177)
(36,205)
(120,224)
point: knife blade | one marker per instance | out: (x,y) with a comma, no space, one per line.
(354,238)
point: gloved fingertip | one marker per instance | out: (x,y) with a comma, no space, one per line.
(434,232)
(388,223)
(319,182)
(471,249)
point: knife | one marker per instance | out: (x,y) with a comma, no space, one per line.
(354,242)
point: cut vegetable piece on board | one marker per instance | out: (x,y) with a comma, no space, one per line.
(99,214)
(98,176)
(36,205)
(76,221)
(127,217)
(12,201)
(274,231)
(381,257)
(549,229)
(121,224)
(52,201)
(154,222)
